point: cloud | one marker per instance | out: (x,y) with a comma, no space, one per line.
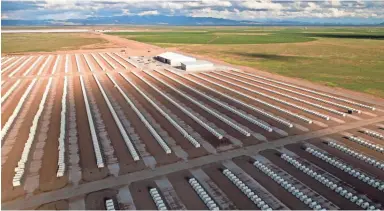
(334,3)
(311,7)
(252,10)
(125,12)
(261,4)
(216,3)
(152,12)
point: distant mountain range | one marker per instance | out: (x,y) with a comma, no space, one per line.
(158,20)
(131,19)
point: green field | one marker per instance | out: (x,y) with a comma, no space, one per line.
(213,37)
(351,58)
(35,42)
(248,35)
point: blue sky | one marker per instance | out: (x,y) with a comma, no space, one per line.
(338,11)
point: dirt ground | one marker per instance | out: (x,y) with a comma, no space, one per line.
(287,198)
(57,205)
(125,160)
(96,200)
(202,131)
(8,105)
(349,159)
(141,196)
(90,171)
(48,179)
(357,147)
(8,191)
(309,181)
(176,135)
(236,196)
(153,147)
(235,117)
(284,97)
(185,191)
(360,186)
(87,157)
(244,122)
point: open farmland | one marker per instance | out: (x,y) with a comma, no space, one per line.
(47,42)
(350,58)
(100,130)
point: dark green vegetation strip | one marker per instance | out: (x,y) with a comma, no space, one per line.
(250,35)
(216,37)
(36,42)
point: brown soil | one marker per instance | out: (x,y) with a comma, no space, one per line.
(57,205)
(36,69)
(126,162)
(241,201)
(15,65)
(340,201)
(291,131)
(357,147)
(176,135)
(290,100)
(141,196)
(246,141)
(151,144)
(48,179)
(73,65)
(284,196)
(87,156)
(101,59)
(117,64)
(96,200)
(359,186)
(349,159)
(185,191)
(49,67)
(9,105)
(198,128)
(8,191)
(5,76)
(263,107)
(122,60)
(199,110)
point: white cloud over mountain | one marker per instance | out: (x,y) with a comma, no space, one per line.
(252,10)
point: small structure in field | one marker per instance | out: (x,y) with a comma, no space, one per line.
(197,65)
(174,59)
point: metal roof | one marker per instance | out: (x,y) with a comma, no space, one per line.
(197,62)
(176,56)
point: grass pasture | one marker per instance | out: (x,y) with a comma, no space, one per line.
(249,35)
(47,42)
(351,58)
(212,37)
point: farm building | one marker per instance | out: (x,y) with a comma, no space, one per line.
(196,65)
(174,59)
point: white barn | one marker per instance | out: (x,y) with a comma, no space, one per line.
(196,65)
(174,59)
